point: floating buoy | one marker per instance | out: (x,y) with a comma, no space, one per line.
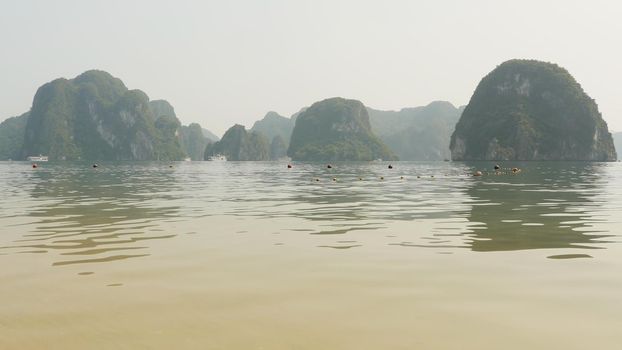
(34,165)
(477,173)
(360,179)
(329,166)
(418,177)
(289,166)
(170,166)
(390,166)
(401,178)
(317,180)
(334,179)
(382,178)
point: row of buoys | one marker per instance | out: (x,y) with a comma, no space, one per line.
(498,171)
(330,166)
(317,179)
(35,165)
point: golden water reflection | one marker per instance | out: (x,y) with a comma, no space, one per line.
(550,207)
(83,215)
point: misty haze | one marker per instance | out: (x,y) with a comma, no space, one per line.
(310,175)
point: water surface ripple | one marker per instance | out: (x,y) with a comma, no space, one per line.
(78,214)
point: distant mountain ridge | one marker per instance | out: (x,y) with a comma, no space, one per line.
(418,133)
(523,109)
(274,124)
(209,135)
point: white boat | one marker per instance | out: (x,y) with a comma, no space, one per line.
(38,158)
(217,157)
(187,159)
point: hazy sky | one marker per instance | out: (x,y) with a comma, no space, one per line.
(226,62)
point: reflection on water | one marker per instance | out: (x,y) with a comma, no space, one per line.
(546,206)
(376,259)
(91,215)
(84,215)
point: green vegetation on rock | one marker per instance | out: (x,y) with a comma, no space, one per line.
(336,129)
(420,133)
(12,136)
(531,110)
(273,125)
(193,141)
(237,144)
(168,139)
(95,117)
(278,148)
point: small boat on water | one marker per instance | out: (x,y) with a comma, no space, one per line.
(217,158)
(38,158)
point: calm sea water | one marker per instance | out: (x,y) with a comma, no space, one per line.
(244,255)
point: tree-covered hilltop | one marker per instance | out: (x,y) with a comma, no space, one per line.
(531,110)
(273,125)
(12,137)
(419,133)
(336,129)
(94,116)
(237,144)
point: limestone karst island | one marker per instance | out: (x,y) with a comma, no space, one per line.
(310,175)
(531,110)
(522,110)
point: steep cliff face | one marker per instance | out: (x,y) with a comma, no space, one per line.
(12,136)
(336,129)
(531,110)
(193,141)
(419,133)
(278,148)
(94,116)
(237,144)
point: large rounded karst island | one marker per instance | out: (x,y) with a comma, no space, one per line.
(531,110)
